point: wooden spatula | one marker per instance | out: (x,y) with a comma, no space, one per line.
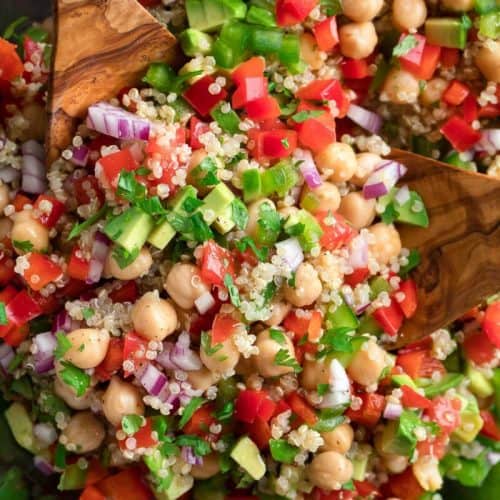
(101,47)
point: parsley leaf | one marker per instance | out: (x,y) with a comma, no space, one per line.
(129,188)
(10,30)
(63,345)
(331,7)
(201,230)
(3,314)
(247,242)
(277,335)
(390,214)
(295,229)
(234,294)
(206,344)
(285,143)
(77,229)
(131,424)
(189,410)
(205,173)
(24,246)
(284,358)
(349,485)
(87,313)
(413,262)
(152,206)
(269,224)
(123,257)
(336,340)
(199,445)
(226,412)
(302,116)
(408,43)
(269,292)
(191,204)
(322,389)
(75,378)
(239,213)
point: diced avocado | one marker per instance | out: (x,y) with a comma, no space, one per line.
(489,25)
(73,478)
(252,184)
(247,455)
(161,235)
(368,324)
(208,15)
(178,487)
(448,32)
(216,202)
(194,42)
(378,284)
(312,233)
(341,316)
(228,120)
(403,379)
(360,462)
(21,426)
(470,420)
(224,222)
(411,211)
(395,441)
(449,381)
(479,384)
(130,229)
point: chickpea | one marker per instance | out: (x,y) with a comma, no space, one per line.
(395,464)
(408,14)
(367,364)
(314,372)
(254,215)
(323,198)
(209,468)
(224,360)
(387,244)
(426,470)
(26,228)
(5,227)
(338,161)
(366,164)
(268,349)
(329,470)
(357,210)
(488,60)
(202,379)
(361,10)
(357,40)
(401,87)
(309,51)
(279,310)
(88,347)
(287,212)
(68,395)
(120,399)
(339,439)
(36,116)
(307,288)
(84,431)
(153,318)
(184,285)
(433,91)
(139,267)
(458,5)
(4,196)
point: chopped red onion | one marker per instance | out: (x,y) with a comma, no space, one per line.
(204,302)
(358,252)
(100,249)
(402,195)
(164,357)
(348,297)
(190,457)
(33,171)
(383,179)
(116,122)
(9,174)
(33,185)
(340,388)
(490,141)
(44,356)
(364,118)
(291,252)
(392,411)
(308,168)
(179,356)
(45,433)
(362,308)
(43,465)
(153,380)
(33,148)
(6,355)
(63,322)
(80,155)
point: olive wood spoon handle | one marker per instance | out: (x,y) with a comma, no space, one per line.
(101,47)
(460,249)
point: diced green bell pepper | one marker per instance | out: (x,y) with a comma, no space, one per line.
(73,478)
(341,316)
(194,42)
(252,184)
(261,16)
(266,40)
(448,381)
(228,121)
(290,50)
(486,6)
(454,159)
(368,324)
(378,284)
(310,236)
(446,32)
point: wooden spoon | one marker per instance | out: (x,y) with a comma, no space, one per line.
(101,47)
(460,249)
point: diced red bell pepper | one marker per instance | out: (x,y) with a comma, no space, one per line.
(91,493)
(290,12)
(41,271)
(410,302)
(456,93)
(428,64)
(412,399)
(143,437)
(460,134)
(129,484)
(200,97)
(491,323)
(197,128)
(22,308)
(216,262)
(199,424)
(326,90)
(449,57)
(302,409)
(370,411)
(405,485)
(255,66)
(326,33)
(281,407)
(357,276)
(48,209)
(319,494)
(419,364)
(489,111)
(366,489)
(7,272)
(78,268)
(490,427)
(251,404)
(17,335)
(414,55)
(445,412)
(355,69)
(315,133)
(260,433)
(272,144)
(134,349)
(112,362)
(11,65)
(335,235)
(309,323)
(390,318)
(265,108)
(223,327)
(125,291)
(7,294)
(88,189)
(470,109)
(114,163)
(95,472)
(250,89)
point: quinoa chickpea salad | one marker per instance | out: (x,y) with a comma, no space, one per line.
(199,298)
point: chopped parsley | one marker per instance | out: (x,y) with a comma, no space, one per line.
(295,229)
(75,378)
(282,451)
(131,424)
(269,224)
(123,257)
(285,143)
(408,43)
(239,214)
(390,214)
(269,292)
(284,358)
(189,410)
(234,294)
(322,389)
(329,418)
(278,336)
(413,262)
(200,446)
(302,116)
(3,314)
(63,345)
(331,7)
(349,485)
(77,229)
(87,313)
(291,280)
(206,172)
(60,456)
(226,412)
(191,204)
(336,340)
(247,242)
(24,246)
(206,344)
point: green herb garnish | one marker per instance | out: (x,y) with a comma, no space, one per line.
(206,344)
(77,229)
(63,345)
(239,213)
(247,242)
(75,378)
(284,358)
(282,451)
(189,410)
(123,257)
(234,294)
(3,314)
(408,43)
(277,335)
(302,116)
(24,246)
(131,424)
(200,446)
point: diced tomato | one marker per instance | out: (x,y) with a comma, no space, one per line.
(315,135)
(264,108)
(129,484)
(125,291)
(250,89)
(143,437)
(456,93)
(48,210)
(95,472)
(200,97)
(405,485)
(290,12)
(216,262)
(490,427)
(309,323)
(199,424)
(489,111)
(197,128)
(370,411)
(366,489)
(91,493)
(491,323)
(335,235)
(7,294)
(41,271)
(460,134)
(134,349)
(301,408)
(78,268)
(88,189)
(113,360)
(251,404)
(223,327)
(428,64)
(11,65)
(470,109)
(410,302)
(357,276)
(412,399)
(319,494)
(272,144)
(435,446)
(20,201)
(7,272)
(22,308)
(326,90)
(449,57)
(419,364)
(255,66)
(356,69)
(390,318)
(281,407)
(17,335)
(326,33)
(260,433)
(114,163)
(445,412)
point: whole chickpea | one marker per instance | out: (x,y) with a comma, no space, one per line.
(386,244)
(68,395)
(323,198)
(307,288)
(202,379)
(367,364)
(153,318)
(84,431)
(339,439)
(224,359)
(279,310)
(408,14)
(286,212)
(338,161)
(209,468)
(357,210)
(433,91)
(401,87)
(139,267)
(314,372)
(268,348)
(366,164)
(254,215)
(426,470)
(357,40)
(120,399)
(361,10)
(5,227)
(488,60)
(395,464)
(184,284)
(26,228)
(88,347)
(4,196)
(309,51)
(329,470)
(458,5)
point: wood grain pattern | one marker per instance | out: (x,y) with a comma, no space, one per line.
(101,47)
(460,249)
